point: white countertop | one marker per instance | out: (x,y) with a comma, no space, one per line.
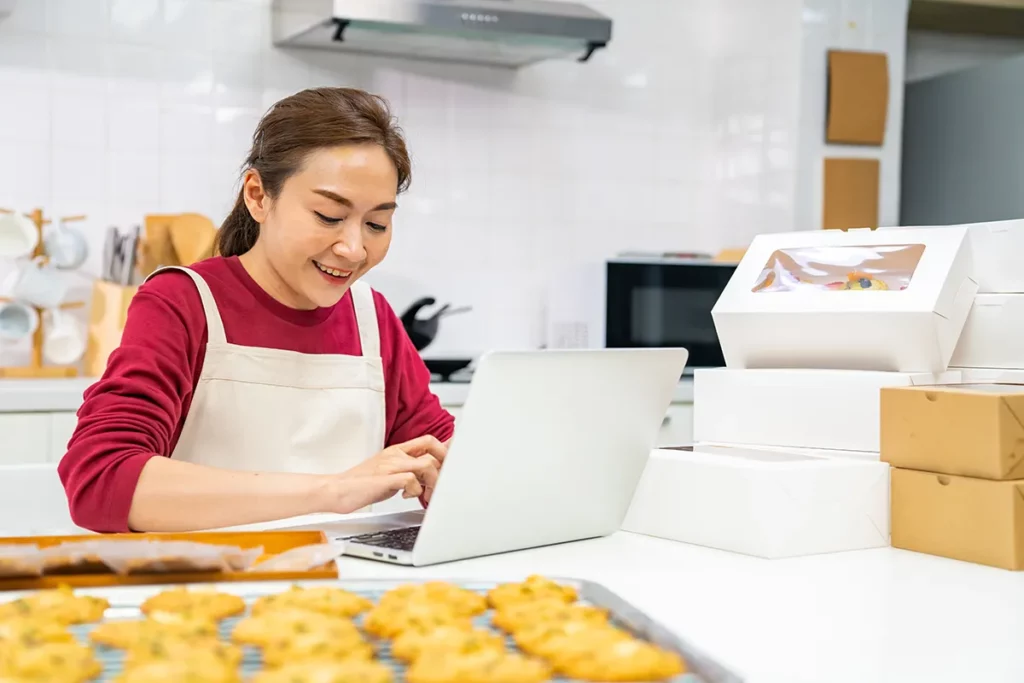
(875,616)
(65,395)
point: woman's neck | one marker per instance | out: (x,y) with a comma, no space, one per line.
(263,273)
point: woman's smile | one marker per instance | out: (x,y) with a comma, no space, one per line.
(334,276)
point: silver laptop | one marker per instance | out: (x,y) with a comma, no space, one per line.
(549,448)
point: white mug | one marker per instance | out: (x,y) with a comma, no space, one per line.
(64,341)
(37,284)
(18,235)
(17,320)
(66,247)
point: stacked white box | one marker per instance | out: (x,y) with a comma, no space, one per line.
(992,336)
(818,409)
(760,502)
(808,351)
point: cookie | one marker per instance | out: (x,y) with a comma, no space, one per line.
(411,644)
(463,601)
(486,666)
(321,645)
(180,671)
(52,662)
(348,671)
(277,625)
(533,588)
(544,640)
(394,618)
(519,616)
(175,649)
(158,625)
(205,604)
(26,631)
(328,600)
(60,604)
(626,660)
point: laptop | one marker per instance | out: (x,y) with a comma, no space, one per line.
(549,448)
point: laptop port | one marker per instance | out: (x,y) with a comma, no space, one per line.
(376,554)
(392,557)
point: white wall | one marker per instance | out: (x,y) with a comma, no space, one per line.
(685,134)
(930,53)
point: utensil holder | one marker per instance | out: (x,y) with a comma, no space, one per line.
(107,316)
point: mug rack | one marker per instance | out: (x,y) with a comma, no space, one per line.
(36,368)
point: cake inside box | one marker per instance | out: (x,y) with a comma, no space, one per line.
(840,268)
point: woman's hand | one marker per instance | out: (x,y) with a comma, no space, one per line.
(411,467)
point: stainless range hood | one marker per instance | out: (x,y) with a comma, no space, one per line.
(508,33)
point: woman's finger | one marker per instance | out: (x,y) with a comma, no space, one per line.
(425,468)
(425,445)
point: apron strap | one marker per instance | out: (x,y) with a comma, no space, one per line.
(214,324)
(366,318)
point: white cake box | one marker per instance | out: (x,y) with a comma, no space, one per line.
(819,409)
(890,300)
(871,456)
(997,250)
(993,336)
(758,502)
(990,376)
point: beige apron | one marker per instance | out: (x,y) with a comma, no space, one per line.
(270,410)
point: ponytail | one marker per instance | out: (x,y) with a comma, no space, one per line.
(239,231)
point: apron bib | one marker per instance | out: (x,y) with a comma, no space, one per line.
(271,410)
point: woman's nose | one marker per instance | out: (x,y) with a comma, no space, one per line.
(350,246)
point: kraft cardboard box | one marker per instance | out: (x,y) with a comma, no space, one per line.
(975,520)
(820,409)
(770,504)
(974,430)
(889,300)
(993,334)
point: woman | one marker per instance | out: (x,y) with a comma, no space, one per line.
(271,379)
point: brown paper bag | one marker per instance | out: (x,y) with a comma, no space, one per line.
(107,316)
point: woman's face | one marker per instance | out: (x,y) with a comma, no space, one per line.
(330,224)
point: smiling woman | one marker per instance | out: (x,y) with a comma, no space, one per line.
(272,381)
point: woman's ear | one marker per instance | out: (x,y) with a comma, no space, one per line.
(256,199)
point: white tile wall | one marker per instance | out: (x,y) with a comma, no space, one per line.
(684,134)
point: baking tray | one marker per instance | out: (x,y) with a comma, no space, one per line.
(126,600)
(272,542)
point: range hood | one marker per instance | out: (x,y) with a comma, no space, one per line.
(507,33)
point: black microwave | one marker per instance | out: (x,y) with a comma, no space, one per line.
(636,302)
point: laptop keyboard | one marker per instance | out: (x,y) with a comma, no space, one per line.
(395,539)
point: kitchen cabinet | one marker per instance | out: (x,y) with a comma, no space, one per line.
(41,436)
(25,438)
(62,427)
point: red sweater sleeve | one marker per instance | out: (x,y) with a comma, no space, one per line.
(413,410)
(132,413)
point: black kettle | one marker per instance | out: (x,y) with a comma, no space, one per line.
(422,331)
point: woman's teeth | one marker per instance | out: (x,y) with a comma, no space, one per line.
(333,271)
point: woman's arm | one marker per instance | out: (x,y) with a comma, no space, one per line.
(133,412)
(173,495)
(412,409)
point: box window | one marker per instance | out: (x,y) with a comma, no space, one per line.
(878,268)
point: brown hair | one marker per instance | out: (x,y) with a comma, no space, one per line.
(303,123)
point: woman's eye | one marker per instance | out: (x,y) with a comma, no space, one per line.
(327,219)
(377,227)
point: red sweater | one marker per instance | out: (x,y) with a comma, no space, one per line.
(137,409)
